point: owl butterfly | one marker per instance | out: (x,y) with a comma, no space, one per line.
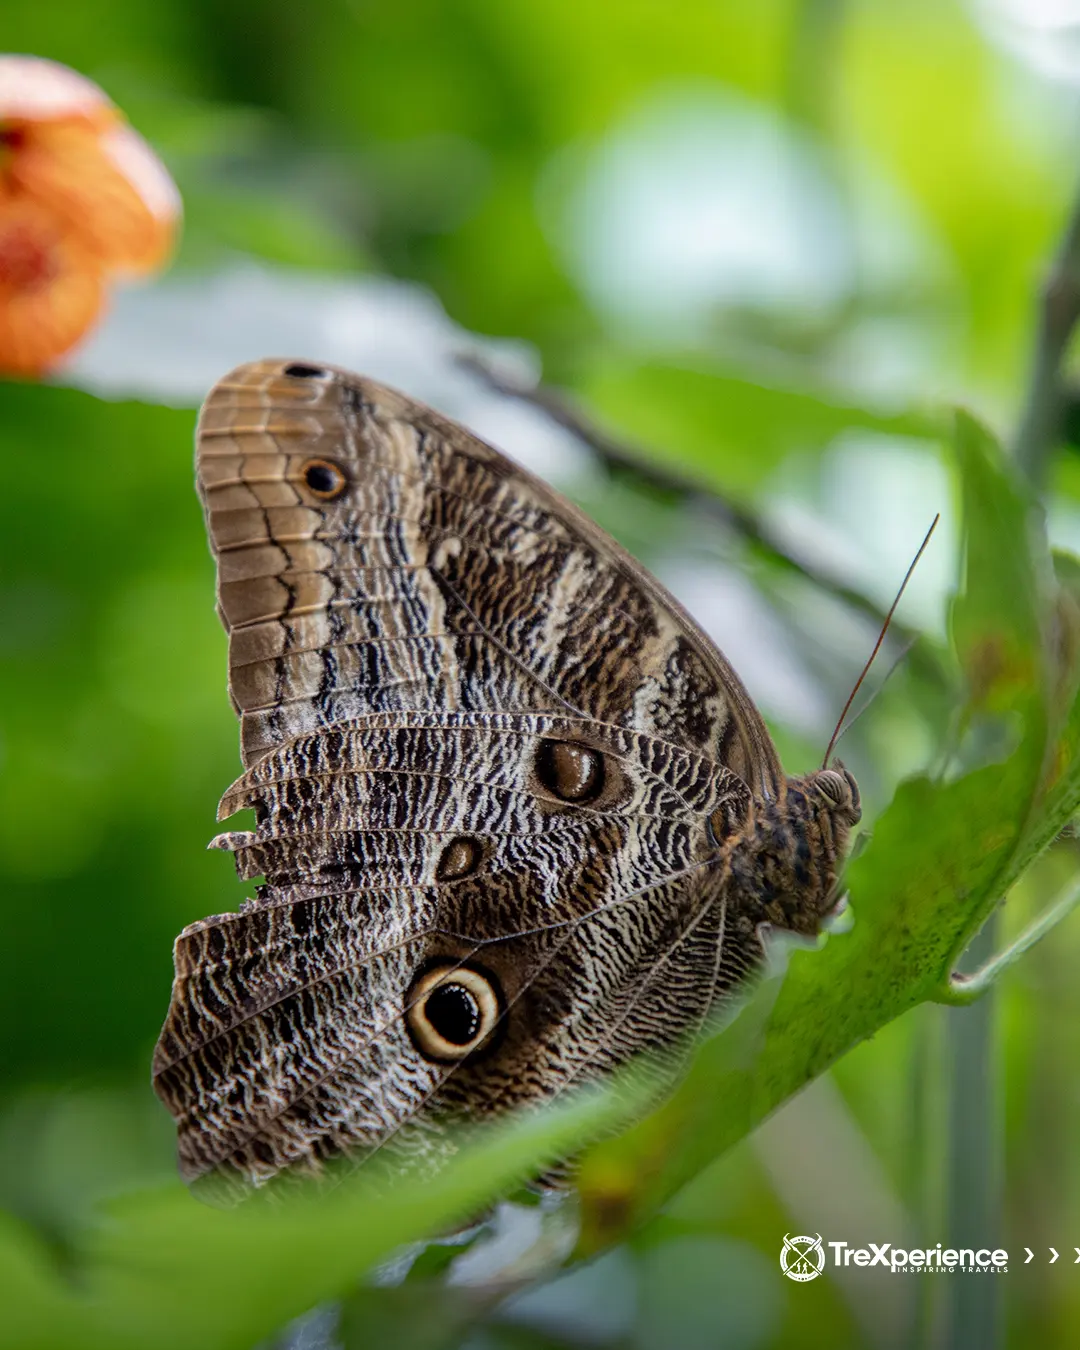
(518,818)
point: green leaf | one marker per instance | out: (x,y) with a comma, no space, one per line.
(168,1272)
(997,619)
(1060,787)
(940,859)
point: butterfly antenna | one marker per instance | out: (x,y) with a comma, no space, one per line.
(868,702)
(877,645)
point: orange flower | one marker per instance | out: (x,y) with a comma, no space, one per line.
(83,200)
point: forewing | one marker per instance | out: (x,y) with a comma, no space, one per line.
(434,574)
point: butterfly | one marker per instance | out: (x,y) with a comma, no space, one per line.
(517,817)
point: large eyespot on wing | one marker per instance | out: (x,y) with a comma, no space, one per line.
(346,1046)
(373,555)
(454,1010)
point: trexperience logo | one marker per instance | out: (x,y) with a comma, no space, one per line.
(803,1258)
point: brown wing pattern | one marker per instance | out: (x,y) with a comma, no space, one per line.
(441,576)
(494,767)
(286,1042)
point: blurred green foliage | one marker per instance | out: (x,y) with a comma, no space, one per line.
(463,144)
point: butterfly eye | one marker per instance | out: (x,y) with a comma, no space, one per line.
(571,772)
(832,785)
(324,479)
(451,1011)
(855,806)
(839,788)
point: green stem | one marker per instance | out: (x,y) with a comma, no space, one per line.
(754,529)
(1040,425)
(974,1316)
(925,1169)
(961,990)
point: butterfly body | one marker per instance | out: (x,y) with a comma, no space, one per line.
(517,818)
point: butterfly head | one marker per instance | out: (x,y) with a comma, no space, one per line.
(838,790)
(792,848)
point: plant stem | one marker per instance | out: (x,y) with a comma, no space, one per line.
(622,457)
(974,1320)
(925,1162)
(1040,425)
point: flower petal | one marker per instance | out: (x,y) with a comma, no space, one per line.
(159,194)
(35,89)
(110,191)
(51,291)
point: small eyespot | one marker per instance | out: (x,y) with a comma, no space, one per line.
(300,371)
(324,479)
(571,772)
(451,1011)
(459,858)
(725,819)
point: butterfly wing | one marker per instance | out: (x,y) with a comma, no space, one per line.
(402,841)
(486,752)
(374,556)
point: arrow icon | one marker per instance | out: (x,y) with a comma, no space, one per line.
(1030,1254)
(1077,1251)
(1054,1257)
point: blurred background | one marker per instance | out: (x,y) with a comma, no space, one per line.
(762,246)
